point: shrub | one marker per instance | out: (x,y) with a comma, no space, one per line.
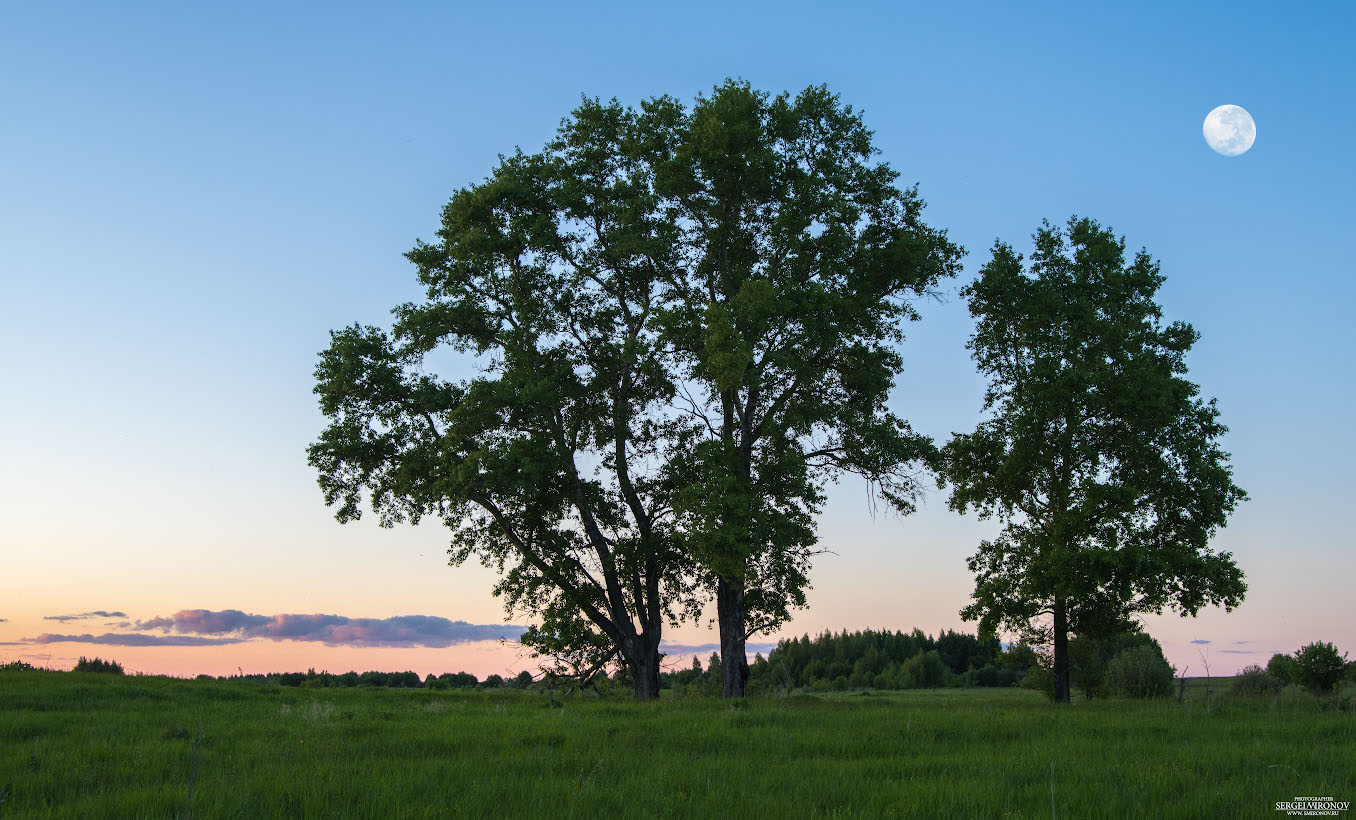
(1254,680)
(1040,679)
(1282,667)
(1140,672)
(97,665)
(1090,658)
(1318,666)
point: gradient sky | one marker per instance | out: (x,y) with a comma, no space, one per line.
(191,198)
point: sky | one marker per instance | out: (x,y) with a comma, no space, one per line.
(192,197)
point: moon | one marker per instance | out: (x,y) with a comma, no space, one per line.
(1229,130)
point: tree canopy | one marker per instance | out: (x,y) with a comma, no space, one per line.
(549,465)
(1099,456)
(803,263)
(685,320)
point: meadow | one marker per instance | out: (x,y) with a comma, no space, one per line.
(84,745)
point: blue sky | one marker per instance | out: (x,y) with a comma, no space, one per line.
(191,198)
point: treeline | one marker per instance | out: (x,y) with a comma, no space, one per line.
(872,660)
(393,680)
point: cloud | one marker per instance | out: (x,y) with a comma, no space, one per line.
(98,613)
(1201,642)
(134,639)
(1241,642)
(1238,652)
(333,630)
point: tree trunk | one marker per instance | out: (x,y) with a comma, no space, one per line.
(643,664)
(734,663)
(645,678)
(1061,652)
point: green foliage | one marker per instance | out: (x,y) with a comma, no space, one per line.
(687,322)
(1255,681)
(1283,667)
(109,667)
(806,258)
(1140,672)
(1040,679)
(888,660)
(1090,657)
(1319,666)
(1099,457)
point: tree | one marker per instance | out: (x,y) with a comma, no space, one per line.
(1283,667)
(700,308)
(802,261)
(1090,657)
(1099,457)
(1140,672)
(548,465)
(1318,666)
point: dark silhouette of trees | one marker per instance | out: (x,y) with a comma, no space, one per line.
(686,321)
(1099,457)
(800,261)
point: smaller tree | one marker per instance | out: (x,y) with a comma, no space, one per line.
(1140,672)
(1319,666)
(1100,458)
(1282,667)
(109,667)
(1091,657)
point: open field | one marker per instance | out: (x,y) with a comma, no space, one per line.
(86,745)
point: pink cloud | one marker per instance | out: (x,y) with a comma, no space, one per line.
(332,630)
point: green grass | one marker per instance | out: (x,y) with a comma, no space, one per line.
(91,746)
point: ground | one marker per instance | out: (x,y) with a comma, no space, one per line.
(88,745)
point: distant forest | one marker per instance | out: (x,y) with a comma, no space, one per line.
(828,662)
(874,660)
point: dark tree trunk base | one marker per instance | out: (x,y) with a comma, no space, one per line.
(1061,652)
(734,662)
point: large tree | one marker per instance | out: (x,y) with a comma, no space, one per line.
(549,465)
(687,320)
(1099,457)
(802,261)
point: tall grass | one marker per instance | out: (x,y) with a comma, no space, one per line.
(86,745)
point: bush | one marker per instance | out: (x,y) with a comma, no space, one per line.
(1318,667)
(1140,672)
(1090,658)
(1254,680)
(1282,667)
(97,665)
(1040,679)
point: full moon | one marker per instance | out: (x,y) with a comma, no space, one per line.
(1229,130)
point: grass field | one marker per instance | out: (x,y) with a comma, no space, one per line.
(91,746)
